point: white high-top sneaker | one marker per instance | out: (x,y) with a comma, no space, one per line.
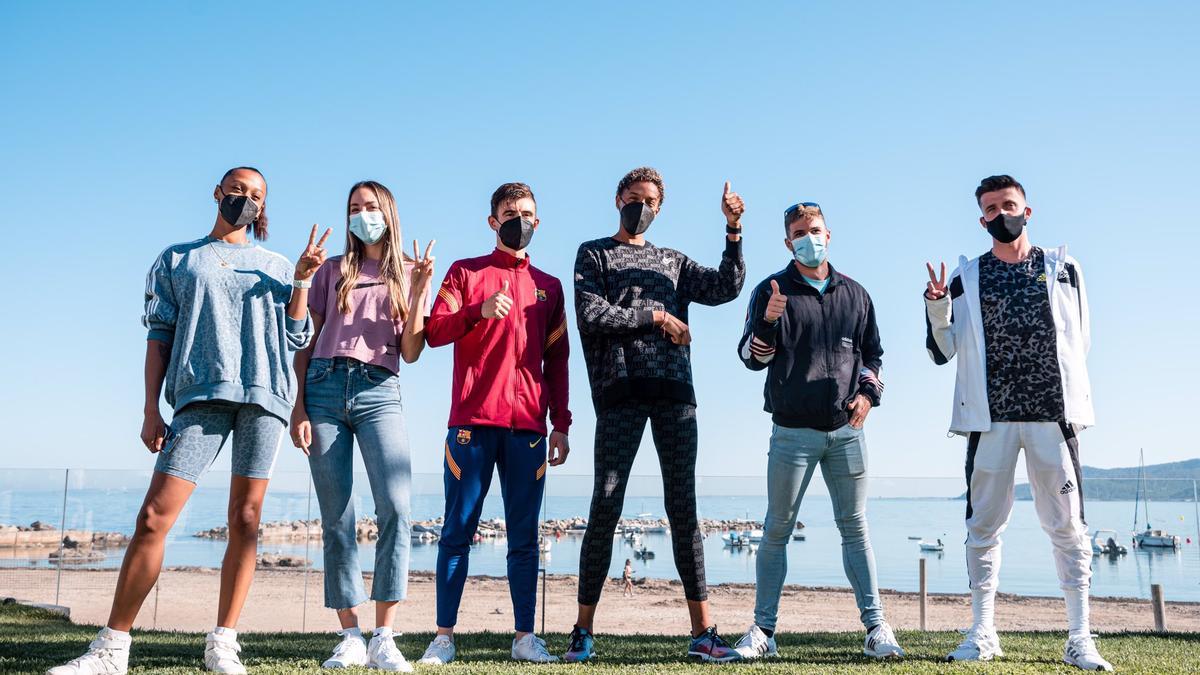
(108,654)
(439,652)
(383,653)
(221,652)
(1081,652)
(881,642)
(350,652)
(980,644)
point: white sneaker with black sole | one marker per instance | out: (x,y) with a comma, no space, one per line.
(439,652)
(881,643)
(108,654)
(756,644)
(350,652)
(1080,651)
(980,644)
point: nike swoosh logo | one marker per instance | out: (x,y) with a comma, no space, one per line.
(535,443)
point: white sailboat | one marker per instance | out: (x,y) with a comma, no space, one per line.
(1149,537)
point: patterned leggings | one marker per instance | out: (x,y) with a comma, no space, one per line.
(618,434)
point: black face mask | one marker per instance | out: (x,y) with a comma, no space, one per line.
(238,210)
(1005,228)
(636,217)
(515,233)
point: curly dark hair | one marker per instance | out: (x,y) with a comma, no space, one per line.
(644,174)
(509,192)
(994,183)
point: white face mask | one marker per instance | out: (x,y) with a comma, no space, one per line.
(810,250)
(368,226)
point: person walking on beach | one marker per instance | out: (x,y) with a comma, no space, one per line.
(632,300)
(813,330)
(220,377)
(507,320)
(1017,318)
(368,311)
(627,577)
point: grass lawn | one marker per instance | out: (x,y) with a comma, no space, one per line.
(32,640)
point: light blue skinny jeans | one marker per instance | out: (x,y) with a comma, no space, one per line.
(794,455)
(347,400)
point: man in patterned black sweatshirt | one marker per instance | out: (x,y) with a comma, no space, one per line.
(631,300)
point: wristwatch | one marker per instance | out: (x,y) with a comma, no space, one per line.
(729,229)
(302,283)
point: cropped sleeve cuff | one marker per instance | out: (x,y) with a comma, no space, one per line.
(163,335)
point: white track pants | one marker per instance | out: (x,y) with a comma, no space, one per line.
(1052,461)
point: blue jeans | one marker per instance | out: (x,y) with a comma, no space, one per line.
(347,400)
(795,454)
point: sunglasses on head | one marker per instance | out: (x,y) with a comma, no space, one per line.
(796,207)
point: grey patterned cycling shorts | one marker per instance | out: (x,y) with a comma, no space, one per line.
(200,430)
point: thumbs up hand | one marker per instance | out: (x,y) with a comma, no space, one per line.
(776,304)
(732,206)
(498,304)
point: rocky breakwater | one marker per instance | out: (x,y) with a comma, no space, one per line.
(40,539)
(282,531)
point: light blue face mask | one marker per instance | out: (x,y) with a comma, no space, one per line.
(368,226)
(810,250)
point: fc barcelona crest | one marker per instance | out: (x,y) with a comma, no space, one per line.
(541,295)
(464,436)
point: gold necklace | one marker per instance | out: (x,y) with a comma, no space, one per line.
(224,263)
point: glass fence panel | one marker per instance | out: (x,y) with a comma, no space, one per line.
(63,535)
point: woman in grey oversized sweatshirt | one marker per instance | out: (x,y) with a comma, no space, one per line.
(223,313)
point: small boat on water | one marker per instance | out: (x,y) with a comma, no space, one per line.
(1149,537)
(643,553)
(931,545)
(755,536)
(915,537)
(1104,542)
(735,539)
(799,536)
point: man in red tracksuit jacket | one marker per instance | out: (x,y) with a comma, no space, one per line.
(508,323)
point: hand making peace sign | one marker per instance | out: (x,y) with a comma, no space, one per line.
(314,255)
(422,269)
(936,288)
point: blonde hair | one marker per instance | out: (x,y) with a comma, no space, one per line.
(391,264)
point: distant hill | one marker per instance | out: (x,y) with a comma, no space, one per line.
(1163,482)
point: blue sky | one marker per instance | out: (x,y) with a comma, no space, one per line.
(119,119)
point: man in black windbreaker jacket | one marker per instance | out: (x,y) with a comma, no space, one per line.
(813,330)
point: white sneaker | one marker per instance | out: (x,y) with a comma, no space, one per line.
(980,644)
(439,652)
(221,652)
(108,654)
(755,644)
(1081,653)
(383,654)
(532,648)
(881,643)
(350,652)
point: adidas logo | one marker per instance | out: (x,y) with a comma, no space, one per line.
(1067,488)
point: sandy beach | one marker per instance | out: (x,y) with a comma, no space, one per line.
(186,600)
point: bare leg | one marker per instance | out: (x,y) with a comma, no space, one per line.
(698,612)
(348,618)
(586,617)
(165,498)
(237,569)
(385,613)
